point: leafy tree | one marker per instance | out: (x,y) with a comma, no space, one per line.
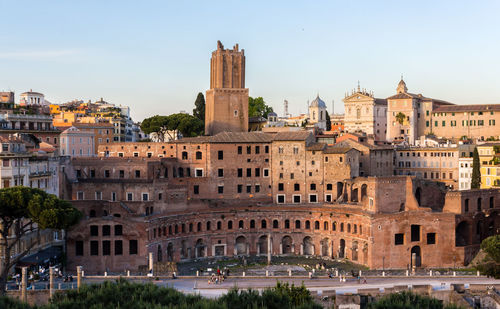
(476,171)
(490,265)
(187,125)
(258,108)
(400,117)
(20,209)
(199,107)
(328,122)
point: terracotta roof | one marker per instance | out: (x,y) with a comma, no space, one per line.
(404,96)
(242,137)
(316,147)
(337,150)
(292,136)
(193,140)
(365,144)
(467,108)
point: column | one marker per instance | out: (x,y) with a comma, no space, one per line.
(51,282)
(78,276)
(24,284)
(269,249)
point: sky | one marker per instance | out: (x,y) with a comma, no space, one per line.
(154,55)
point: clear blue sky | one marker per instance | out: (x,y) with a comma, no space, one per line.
(154,55)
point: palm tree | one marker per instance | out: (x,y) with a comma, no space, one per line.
(400,117)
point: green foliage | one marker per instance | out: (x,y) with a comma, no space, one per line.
(476,171)
(407,300)
(328,122)
(199,107)
(187,125)
(400,117)
(258,108)
(490,265)
(124,294)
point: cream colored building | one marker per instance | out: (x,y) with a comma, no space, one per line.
(365,113)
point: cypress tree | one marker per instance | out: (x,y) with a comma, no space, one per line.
(199,107)
(476,171)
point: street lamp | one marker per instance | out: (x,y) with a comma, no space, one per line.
(383,263)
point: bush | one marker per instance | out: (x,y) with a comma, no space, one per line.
(408,300)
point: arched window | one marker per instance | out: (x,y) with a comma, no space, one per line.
(334,226)
(355,229)
(147,211)
(240,224)
(466,205)
(252,224)
(275,224)
(360,229)
(308,225)
(219,225)
(297,224)
(170,230)
(316,225)
(229,225)
(190,227)
(164,231)
(325,225)
(208,225)
(479,202)
(199,227)
(342,226)
(176,229)
(358,113)
(348,227)
(263,224)
(287,224)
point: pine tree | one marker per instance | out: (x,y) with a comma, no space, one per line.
(328,122)
(476,171)
(199,107)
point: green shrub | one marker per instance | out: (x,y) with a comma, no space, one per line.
(408,300)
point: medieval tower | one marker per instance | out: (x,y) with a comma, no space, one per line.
(227,99)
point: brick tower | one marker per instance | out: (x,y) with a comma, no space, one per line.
(226,106)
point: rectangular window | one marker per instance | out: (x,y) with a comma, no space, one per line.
(328,198)
(415,232)
(106,247)
(266,172)
(266,149)
(79,195)
(257,172)
(313,186)
(130,196)
(313,198)
(257,188)
(240,188)
(132,247)
(249,149)
(106,173)
(296,187)
(443,123)
(240,150)
(240,172)
(94,247)
(297,198)
(106,230)
(137,174)
(118,247)
(281,187)
(249,172)
(280,198)
(198,172)
(399,239)
(431,238)
(220,172)
(196,189)
(257,149)
(249,189)
(79,248)
(122,173)
(220,189)
(98,195)
(220,155)
(118,230)
(94,230)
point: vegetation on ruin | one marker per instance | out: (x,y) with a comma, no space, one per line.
(124,294)
(20,209)
(476,171)
(408,300)
(171,125)
(199,107)
(490,265)
(257,107)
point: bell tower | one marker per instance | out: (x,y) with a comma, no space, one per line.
(226,108)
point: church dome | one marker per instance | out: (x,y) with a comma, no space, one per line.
(318,103)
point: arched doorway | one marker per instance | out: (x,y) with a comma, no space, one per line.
(170,252)
(354,250)
(159,256)
(324,247)
(241,245)
(416,255)
(462,234)
(286,244)
(308,246)
(342,249)
(364,193)
(183,250)
(200,248)
(262,244)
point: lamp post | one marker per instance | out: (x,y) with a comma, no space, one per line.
(383,263)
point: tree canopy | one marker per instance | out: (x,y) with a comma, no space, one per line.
(172,125)
(20,208)
(490,265)
(258,108)
(476,171)
(199,107)
(328,122)
(400,117)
